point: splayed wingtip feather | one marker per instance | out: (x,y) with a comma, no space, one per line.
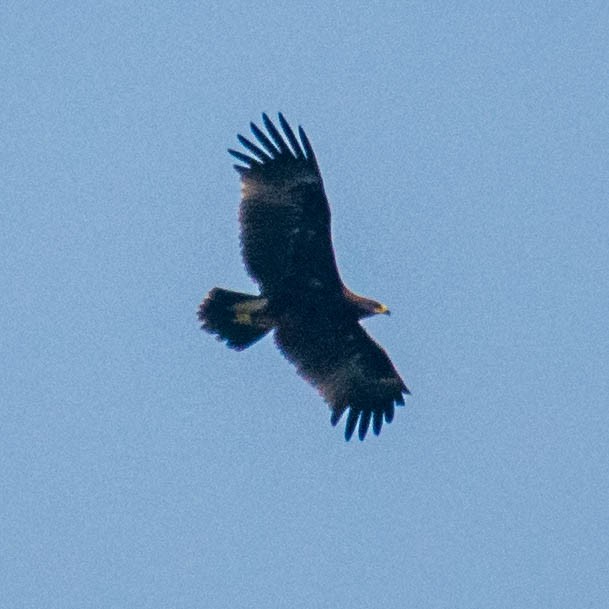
(351,423)
(264,140)
(244,158)
(292,139)
(275,135)
(261,154)
(377,421)
(364,423)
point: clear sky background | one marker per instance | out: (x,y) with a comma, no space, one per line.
(465,151)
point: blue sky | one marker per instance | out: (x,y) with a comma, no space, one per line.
(464,148)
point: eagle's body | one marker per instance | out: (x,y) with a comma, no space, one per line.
(287,249)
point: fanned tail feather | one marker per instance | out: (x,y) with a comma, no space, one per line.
(233,317)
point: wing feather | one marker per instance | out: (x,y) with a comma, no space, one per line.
(364,423)
(264,140)
(277,139)
(284,213)
(244,158)
(262,156)
(349,369)
(291,137)
(377,422)
(307,146)
(352,418)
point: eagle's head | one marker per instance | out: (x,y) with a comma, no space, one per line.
(365,307)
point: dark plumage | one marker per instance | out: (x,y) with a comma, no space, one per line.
(287,249)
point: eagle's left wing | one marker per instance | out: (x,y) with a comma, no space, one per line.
(284,213)
(349,369)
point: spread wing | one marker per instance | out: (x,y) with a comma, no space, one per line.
(284,213)
(350,370)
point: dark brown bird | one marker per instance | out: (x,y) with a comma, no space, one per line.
(287,248)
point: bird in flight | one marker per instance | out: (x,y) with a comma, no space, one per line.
(286,244)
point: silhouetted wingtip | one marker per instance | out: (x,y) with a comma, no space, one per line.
(292,139)
(361,419)
(377,421)
(243,158)
(336,416)
(264,140)
(275,135)
(351,423)
(307,145)
(255,150)
(364,423)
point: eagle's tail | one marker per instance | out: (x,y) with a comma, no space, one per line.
(234,317)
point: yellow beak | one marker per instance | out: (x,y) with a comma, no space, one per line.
(382,310)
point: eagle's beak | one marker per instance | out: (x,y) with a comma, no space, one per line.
(382,310)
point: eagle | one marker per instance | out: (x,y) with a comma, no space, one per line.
(286,244)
